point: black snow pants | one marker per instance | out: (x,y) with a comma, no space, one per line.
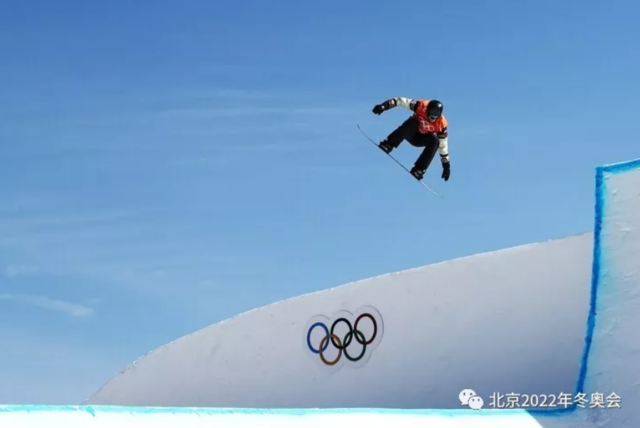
(409,131)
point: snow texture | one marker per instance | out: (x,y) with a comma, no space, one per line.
(496,322)
(511,321)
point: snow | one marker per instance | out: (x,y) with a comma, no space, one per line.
(165,418)
(495,322)
(551,318)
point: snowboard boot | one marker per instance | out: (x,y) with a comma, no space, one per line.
(385,146)
(417,173)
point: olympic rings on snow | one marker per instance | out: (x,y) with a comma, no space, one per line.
(343,344)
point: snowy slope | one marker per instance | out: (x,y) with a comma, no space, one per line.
(492,322)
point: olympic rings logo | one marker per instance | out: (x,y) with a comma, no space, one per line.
(349,335)
(425,126)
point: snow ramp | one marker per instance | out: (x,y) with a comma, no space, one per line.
(541,335)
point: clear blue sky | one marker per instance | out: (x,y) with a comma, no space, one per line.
(166,165)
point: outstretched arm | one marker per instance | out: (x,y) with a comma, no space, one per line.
(407,103)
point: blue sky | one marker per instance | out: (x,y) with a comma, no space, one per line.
(166,165)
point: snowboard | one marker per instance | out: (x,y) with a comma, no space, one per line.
(399,163)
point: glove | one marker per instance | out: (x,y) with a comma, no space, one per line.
(382,107)
(446,170)
(378,109)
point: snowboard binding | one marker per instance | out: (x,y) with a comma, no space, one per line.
(417,173)
(385,146)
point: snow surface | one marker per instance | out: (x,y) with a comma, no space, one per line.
(496,322)
(165,418)
(549,318)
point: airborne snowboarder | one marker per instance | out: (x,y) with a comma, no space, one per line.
(427,128)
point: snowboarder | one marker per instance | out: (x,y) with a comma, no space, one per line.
(427,128)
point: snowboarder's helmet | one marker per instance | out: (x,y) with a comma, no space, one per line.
(434,109)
